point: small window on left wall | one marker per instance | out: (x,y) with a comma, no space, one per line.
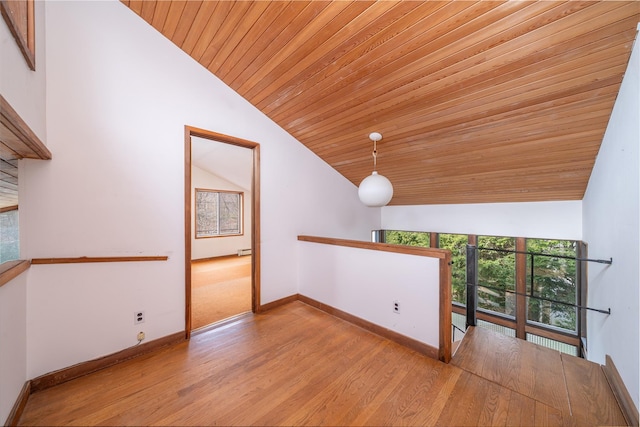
(218,213)
(9,234)
(19,142)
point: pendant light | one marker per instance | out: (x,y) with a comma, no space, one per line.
(375,190)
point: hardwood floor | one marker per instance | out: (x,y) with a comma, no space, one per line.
(293,365)
(220,288)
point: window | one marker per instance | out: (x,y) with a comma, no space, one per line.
(457,244)
(408,238)
(18,138)
(218,213)
(541,275)
(552,283)
(9,235)
(497,274)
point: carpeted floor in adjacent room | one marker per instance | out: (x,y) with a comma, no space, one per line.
(220,288)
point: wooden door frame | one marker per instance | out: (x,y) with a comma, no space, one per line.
(190,132)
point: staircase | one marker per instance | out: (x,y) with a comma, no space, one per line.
(576,388)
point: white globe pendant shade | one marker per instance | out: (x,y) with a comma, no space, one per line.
(375,190)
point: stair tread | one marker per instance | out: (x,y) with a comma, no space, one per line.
(575,386)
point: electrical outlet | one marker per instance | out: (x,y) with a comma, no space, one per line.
(140,336)
(396,307)
(138,317)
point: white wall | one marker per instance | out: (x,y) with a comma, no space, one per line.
(219,246)
(365,283)
(118,97)
(13,342)
(610,221)
(24,90)
(544,220)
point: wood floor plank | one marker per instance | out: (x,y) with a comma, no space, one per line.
(380,391)
(521,411)
(496,406)
(547,416)
(465,403)
(308,384)
(340,393)
(413,401)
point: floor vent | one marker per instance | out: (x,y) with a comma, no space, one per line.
(242,252)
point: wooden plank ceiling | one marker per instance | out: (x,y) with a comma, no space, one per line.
(477,101)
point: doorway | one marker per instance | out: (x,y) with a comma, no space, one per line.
(222,256)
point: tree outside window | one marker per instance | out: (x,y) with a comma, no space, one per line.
(497,274)
(553,279)
(218,213)
(408,238)
(9,236)
(457,244)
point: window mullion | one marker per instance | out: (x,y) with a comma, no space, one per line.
(218,213)
(581,273)
(521,285)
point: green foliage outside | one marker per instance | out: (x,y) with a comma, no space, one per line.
(554,278)
(457,244)
(9,236)
(497,271)
(408,238)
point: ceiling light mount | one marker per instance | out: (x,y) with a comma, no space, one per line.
(375,190)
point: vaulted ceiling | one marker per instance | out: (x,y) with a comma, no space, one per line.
(477,101)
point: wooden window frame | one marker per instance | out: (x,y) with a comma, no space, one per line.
(3,241)
(19,139)
(219,234)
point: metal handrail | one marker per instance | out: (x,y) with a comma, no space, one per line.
(532,275)
(454,331)
(513,251)
(544,299)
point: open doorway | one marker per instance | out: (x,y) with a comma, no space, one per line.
(221,223)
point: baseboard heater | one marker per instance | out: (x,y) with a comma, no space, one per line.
(242,252)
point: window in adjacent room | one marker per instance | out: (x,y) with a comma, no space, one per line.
(218,213)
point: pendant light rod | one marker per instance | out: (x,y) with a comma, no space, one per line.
(375,137)
(375,156)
